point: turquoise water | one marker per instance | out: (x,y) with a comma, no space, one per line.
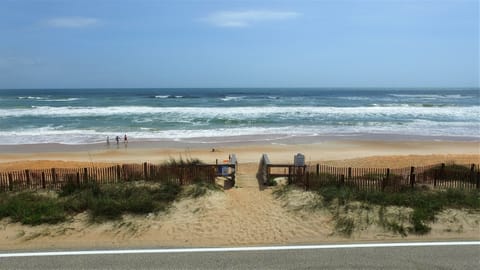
(78,116)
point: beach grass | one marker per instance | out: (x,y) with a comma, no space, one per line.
(402,212)
(109,202)
(199,188)
(425,204)
(101,202)
(31,208)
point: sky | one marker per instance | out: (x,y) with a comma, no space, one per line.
(342,43)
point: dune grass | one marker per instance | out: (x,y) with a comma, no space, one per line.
(425,204)
(31,208)
(109,202)
(183,162)
(402,212)
(101,202)
(199,188)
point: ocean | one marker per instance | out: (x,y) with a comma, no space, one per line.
(86,116)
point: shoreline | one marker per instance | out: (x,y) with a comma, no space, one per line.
(231,141)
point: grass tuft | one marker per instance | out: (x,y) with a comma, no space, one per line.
(425,205)
(199,188)
(106,202)
(32,209)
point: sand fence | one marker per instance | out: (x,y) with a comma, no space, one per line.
(442,176)
(56,178)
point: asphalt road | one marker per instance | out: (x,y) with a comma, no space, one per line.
(424,257)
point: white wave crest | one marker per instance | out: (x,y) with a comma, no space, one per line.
(232,98)
(429,96)
(51,134)
(61,99)
(30,97)
(455,113)
(48,99)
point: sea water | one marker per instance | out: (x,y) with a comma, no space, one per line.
(82,116)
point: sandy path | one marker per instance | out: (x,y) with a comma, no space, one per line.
(243,215)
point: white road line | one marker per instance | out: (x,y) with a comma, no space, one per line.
(234,249)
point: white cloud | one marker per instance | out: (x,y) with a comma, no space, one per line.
(72,22)
(247,18)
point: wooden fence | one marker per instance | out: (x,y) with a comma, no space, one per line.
(375,179)
(385,179)
(266,174)
(56,178)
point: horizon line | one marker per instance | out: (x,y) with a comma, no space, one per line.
(252,87)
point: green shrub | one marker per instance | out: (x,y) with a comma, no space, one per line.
(166,192)
(181,162)
(32,209)
(459,198)
(281,191)
(102,202)
(345,225)
(72,187)
(271,182)
(112,201)
(425,204)
(330,192)
(199,188)
(419,218)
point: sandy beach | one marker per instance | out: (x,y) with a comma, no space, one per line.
(360,153)
(245,215)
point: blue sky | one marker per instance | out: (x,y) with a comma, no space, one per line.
(90,44)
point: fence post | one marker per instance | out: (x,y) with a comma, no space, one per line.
(478,180)
(126,173)
(78,179)
(85,174)
(305,175)
(385,180)
(10,182)
(27,173)
(442,172)
(349,172)
(472,174)
(119,176)
(318,169)
(307,181)
(145,172)
(54,176)
(412,177)
(342,180)
(289,175)
(43,180)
